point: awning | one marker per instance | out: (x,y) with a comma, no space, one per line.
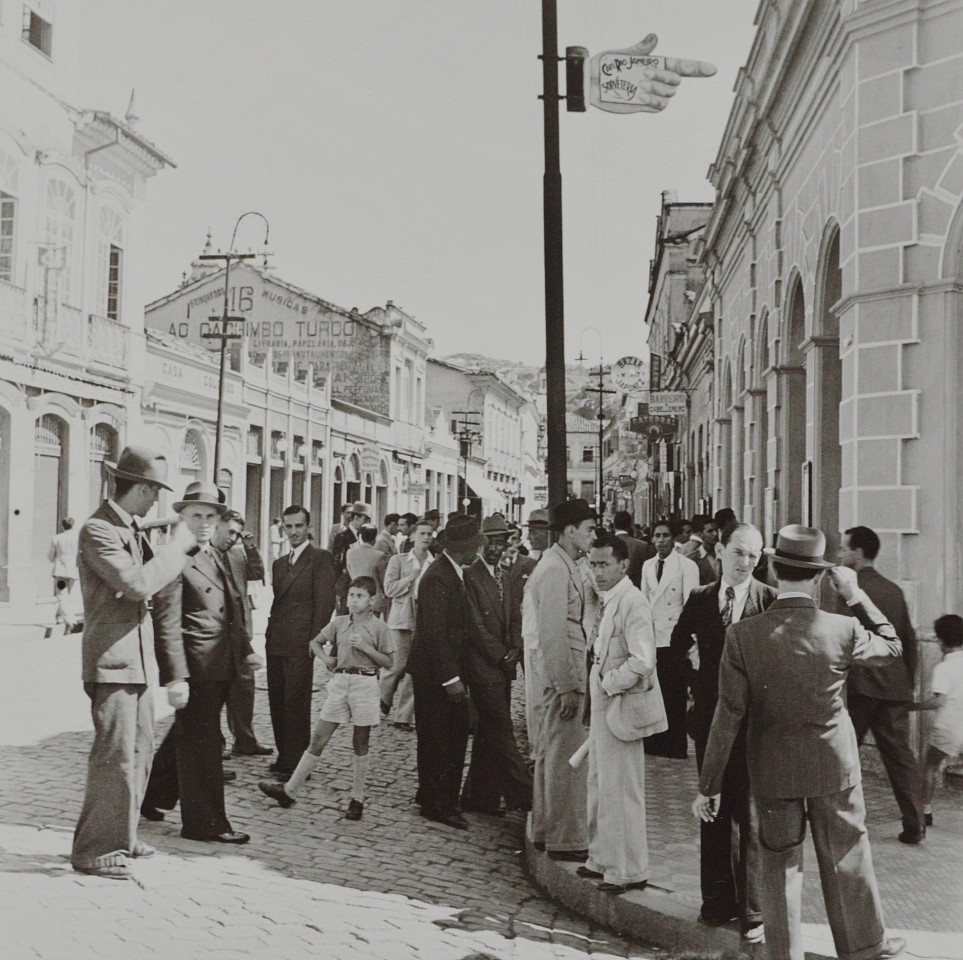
(491,498)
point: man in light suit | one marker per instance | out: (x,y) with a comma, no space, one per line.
(783,673)
(119,573)
(731,877)
(492,653)
(626,705)
(63,555)
(639,550)
(199,618)
(304,596)
(364,559)
(404,572)
(555,646)
(667,580)
(386,541)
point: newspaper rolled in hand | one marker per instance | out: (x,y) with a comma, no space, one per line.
(575,760)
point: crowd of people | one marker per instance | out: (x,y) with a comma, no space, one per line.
(774,661)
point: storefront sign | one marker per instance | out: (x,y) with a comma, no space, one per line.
(416,489)
(631,376)
(655,371)
(672,403)
(370,460)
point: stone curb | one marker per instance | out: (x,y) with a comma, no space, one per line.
(653,916)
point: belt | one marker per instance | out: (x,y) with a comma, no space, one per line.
(357,671)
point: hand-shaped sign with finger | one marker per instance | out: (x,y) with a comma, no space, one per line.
(633,81)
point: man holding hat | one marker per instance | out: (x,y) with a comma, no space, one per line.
(437,667)
(119,573)
(555,638)
(202,643)
(494,647)
(784,671)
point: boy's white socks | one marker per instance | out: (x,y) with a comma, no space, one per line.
(360,778)
(302,771)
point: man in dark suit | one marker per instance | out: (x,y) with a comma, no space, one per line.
(437,667)
(783,672)
(878,696)
(356,516)
(244,564)
(119,573)
(199,619)
(304,595)
(730,884)
(492,653)
(639,550)
(701,548)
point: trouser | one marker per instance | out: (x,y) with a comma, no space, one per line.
(559,802)
(240,715)
(289,682)
(497,769)
(442,735)
(617,841)
(188,763)
(889,722)
(394,680)
(731,874)
(533,701)
(117,770)
(674,684)
(845,872)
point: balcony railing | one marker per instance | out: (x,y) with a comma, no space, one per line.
(107,342)
(13,311)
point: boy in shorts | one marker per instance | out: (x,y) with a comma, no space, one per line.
(946,732)
(360,644)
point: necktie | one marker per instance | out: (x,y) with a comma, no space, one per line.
(727,609)
(138,540)
(660,566)
(499,583)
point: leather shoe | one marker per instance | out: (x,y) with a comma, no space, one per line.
(892,947)
(928,819)
(716,918)
(229,775)
(355,810)
(622,887)
(911,836)
(152,813)
(584,871)
(450,818)
(142,850)
(568,856)
(258,751)
(276,792)
(229,836)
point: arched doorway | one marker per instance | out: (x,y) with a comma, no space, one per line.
(225,483)
(792,411)
(49,494)
(104,446)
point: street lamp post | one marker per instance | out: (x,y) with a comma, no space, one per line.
(225,319)
(466,436)
(600,390)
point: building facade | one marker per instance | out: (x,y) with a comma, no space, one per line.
(72,183)
(834,264)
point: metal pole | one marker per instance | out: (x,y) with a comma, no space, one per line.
(554,288)
(599,498)
(219,430)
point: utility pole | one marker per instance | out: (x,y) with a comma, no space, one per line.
(466,436)
(554,289)
(601,373)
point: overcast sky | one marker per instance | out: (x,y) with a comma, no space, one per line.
(396,148)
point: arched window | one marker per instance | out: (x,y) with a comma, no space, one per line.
(192,462)
(61,220)
(103,447)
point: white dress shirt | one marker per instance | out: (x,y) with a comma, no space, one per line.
(295,554)
(739,601)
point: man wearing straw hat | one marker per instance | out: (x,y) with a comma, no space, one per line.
(785,671)
(119,572)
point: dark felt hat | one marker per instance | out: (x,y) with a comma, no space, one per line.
(799,546)
(143,464)
(495,526)
(462,532)
(571,512)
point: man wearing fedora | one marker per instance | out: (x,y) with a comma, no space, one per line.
(492,653)
(555,640)
(304,597)
(119,573)
(200,622)
(356,516)
(437,667)
(784,672)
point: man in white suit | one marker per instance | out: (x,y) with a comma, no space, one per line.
(626,706)
(667,580)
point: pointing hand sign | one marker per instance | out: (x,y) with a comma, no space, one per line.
(633,81)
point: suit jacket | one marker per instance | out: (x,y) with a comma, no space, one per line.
(199,619)
(895,679)
(701,617)
(240,572)
(666,597)
(116,585)
(518,576)
(785,671)
(386,544)
(709,568)
(488,624)
(63,554)
(303,602)
(441,623)
(557,600)
(639,552)
(343,540)
(400,589)
(365,560)
(626,665)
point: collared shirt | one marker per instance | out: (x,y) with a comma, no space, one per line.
(739,601)
(295,553)
(374,630)
(606,613)
(122,513)
(458,567)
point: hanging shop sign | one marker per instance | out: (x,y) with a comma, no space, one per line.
(672,403)
(370,460)
(631,376)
